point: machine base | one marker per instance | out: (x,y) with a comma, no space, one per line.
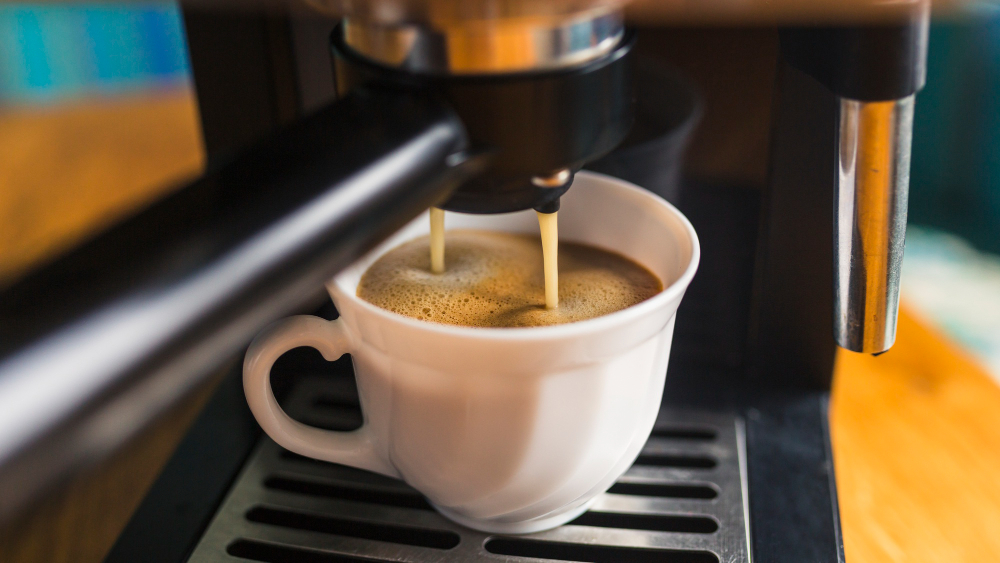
(683,500)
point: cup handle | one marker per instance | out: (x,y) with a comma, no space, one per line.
(355,448)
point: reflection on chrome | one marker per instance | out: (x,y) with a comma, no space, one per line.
(873,164)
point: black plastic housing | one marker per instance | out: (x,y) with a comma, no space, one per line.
(868,63)
(532,123)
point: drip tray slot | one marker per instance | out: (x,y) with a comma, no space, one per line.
(682,502)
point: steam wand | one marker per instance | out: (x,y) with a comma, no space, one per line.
(875,71)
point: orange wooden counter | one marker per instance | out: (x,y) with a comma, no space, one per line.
(916,431)
(916,444)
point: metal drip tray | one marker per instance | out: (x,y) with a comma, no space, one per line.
(684,501)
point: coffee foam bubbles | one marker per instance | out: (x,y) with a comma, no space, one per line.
(494,279)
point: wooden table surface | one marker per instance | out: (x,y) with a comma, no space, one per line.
(916,431)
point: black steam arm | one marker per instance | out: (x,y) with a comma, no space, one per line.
(96,344)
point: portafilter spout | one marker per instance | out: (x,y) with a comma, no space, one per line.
(538,96)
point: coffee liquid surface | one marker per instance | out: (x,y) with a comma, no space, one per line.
(495,279)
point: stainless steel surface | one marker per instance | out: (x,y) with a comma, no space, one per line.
(495,45)
(286,506)
(556,180)
(870,221)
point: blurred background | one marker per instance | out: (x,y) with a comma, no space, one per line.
(53,54)
(97,116)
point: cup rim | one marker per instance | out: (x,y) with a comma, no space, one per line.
(596,324)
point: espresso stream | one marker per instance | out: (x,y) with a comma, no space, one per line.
(548,226)
(496,279)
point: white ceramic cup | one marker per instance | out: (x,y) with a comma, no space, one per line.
(506,430)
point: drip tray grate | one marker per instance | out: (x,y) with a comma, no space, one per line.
(684,501)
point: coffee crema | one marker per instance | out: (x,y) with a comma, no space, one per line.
(496,279)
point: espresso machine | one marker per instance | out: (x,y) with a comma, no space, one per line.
(326,134)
